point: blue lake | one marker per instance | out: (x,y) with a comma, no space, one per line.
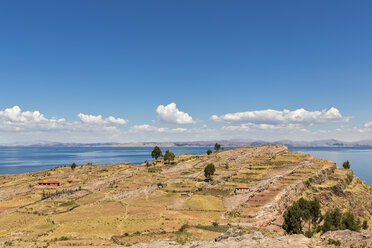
(360,158)
(14,160)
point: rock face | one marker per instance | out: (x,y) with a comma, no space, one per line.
(235,238)
(348,238)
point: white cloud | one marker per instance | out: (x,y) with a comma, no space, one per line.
(91,119)
(170,114)
(267,127)
(368,125)
(143,128)
(14,119)
(114,120)
(269,117)
(154,129)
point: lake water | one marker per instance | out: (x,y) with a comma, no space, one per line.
(14,160)
(360,158)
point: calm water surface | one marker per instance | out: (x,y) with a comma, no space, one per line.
(14,160)
(360,158)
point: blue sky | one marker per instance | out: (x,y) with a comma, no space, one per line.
(126,58)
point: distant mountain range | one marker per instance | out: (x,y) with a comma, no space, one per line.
(226,143)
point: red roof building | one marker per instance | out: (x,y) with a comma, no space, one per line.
(46,182)
(241,189)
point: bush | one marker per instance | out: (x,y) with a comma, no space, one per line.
(334,242)
(365,225)
(350,177)
(346,164)
(332,220)
(335,220)
(209,152)
(73,166)
(349,222)
(217,147)
(183,227)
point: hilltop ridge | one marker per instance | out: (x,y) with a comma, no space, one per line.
(123,204)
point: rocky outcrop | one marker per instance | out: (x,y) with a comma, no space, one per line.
(235,238)
(347,238)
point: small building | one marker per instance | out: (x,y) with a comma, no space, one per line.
(46,182)
(241,189)
(184,194)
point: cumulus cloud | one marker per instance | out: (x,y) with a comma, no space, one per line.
(170,114)
(92,119)
(286,117)
(14,119)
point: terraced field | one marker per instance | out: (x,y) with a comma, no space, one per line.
(107,205)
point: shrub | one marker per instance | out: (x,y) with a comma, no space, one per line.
(335,220)
(365,225)
(334,242)
(209,152)
(346,164)
(183,227)
(217,147)
(73,166)
(349,222)
(350,177)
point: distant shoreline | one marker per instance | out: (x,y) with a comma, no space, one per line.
(177,145)
(198,143)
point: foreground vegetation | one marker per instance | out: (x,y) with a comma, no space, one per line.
(305,217)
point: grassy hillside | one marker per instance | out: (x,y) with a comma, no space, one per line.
(106,205)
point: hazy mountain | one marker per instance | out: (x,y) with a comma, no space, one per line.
(224,143)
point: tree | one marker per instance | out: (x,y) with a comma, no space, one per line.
(302,215)
(217,147)
(209,152)
(156,153)
(209,171)
(169,156)
(73,166)
(349,222)
(147,163)
(346,164)
(332,220)
(292,220)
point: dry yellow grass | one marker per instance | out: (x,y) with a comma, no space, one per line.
(121,198)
